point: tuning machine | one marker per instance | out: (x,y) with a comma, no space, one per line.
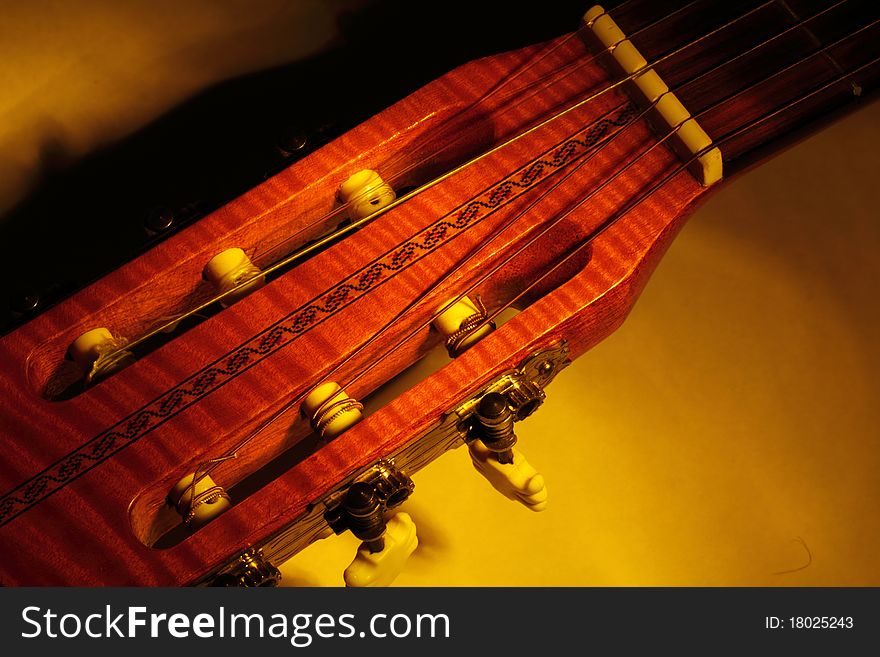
(367,503)
(252,570)
(486,423)
(362,509)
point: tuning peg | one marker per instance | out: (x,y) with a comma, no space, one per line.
(228,270)
(516,480)
(361,509)
(331,411)
(365,192)
(99,353)
(381,568)
(492,448)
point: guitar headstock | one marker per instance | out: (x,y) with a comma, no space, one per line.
(491,214)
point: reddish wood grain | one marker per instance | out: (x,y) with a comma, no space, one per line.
(103,513)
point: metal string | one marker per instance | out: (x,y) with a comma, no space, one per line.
(573,67)
(608,223)
(552,78)
(285,408)
(715,105)
(541,197)
(311,248)
(507,261)
(554,222)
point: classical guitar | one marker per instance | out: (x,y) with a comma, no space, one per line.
(208,410)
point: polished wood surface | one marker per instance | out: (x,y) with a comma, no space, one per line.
(105,459)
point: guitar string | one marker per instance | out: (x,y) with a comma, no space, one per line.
(681,86)
(549,78)
(450,273)
(309,249)
(284,409)
(590,57)
(552,78)
(696,117)
(287,407)
(844,77)
(231,453)
(575,66)
(681,168)
(794,26)
(168,324)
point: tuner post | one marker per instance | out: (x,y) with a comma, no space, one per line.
(366,515)
(462,323)
(199,503)
(495,426)
(365,193)
(98,354)
(232,274)
(330,410)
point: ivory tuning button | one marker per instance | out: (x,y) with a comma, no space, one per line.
(380,568)
(99,354)
(517,480)
(233,270)
(494,456)
(365,193)
(330,410)
(462,324)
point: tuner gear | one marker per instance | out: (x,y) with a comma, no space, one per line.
(365,515)
(496,426)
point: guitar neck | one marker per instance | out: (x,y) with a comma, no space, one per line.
(760,74)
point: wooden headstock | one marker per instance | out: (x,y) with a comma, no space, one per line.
(501,158)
